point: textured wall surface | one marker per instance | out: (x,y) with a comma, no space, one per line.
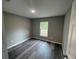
(69,34)
(66,30)
(17,29)
(55,28)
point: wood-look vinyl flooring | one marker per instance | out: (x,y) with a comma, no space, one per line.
(36,49)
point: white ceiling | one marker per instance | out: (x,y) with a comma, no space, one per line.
(44,8)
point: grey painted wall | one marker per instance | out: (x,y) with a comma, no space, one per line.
(69,39)
(17,29)
(66,31)
(55,28)
(4,48)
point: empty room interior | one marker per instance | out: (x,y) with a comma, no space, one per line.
(39,29)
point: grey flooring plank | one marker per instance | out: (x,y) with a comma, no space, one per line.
(41,50)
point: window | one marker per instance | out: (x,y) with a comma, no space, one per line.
(44,28)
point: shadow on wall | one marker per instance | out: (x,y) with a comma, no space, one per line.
(55,28)
(17,29)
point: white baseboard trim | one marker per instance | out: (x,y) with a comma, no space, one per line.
(9,48)
(48,40)
(18,43)
(54,42)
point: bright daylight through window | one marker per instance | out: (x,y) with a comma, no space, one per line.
(44,28)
